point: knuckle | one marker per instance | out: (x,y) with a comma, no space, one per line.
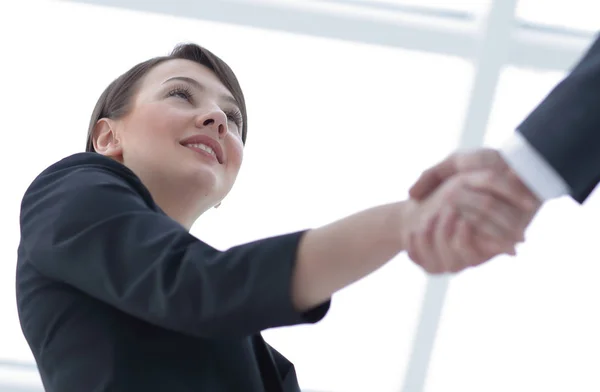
(426,174)
(460,181)
(452,196)
(492,158)
(514,178)
(430,269)
(455,189)
(456,265)
(457,268)
(473,219)
(512,214)
(414,256)
(487,202)
(441,271)
(490,177)
(535,205)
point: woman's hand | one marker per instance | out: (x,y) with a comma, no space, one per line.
(468,220)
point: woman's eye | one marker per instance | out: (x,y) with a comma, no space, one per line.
(181,93)
(236,118)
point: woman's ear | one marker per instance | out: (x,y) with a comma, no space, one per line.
(105,138)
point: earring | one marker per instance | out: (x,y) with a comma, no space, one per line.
(218,204)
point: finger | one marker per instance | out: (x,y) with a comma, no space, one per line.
(458,162)
(421,247)
(430,179)
(476,249)
(424,243)
(505,186)
(490,215)
(414,251)
(488,229)
(464,244)
(443,233)
(490,245)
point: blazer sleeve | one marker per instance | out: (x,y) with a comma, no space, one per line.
(88,227)
(565,127)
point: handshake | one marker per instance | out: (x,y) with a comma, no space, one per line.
(466,210)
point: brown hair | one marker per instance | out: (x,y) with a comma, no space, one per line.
(116,99)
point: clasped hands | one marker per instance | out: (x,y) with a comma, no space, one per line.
(466,210)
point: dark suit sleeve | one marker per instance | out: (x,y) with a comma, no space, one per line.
(565,127)
(88,227)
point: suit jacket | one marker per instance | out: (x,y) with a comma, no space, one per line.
(113,295)
(565,127)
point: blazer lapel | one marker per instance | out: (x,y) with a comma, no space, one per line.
(290,382)
(270,374)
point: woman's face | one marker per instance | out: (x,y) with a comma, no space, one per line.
(182,137)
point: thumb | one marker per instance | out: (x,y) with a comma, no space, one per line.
(431,178)
(484,158)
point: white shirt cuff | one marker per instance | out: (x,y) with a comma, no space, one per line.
(532,168)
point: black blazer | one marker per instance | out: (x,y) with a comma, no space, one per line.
(565,127)
(113,295)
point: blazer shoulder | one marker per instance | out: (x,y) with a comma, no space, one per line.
(88,161)
(82,170)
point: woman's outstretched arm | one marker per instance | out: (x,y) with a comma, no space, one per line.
(338,254)
(88,223)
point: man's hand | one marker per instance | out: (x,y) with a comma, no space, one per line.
(487,195)
(482,159)
(472,208)
(457,226)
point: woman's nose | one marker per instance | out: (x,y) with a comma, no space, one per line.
(215,120)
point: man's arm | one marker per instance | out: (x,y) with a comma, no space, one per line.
(556,149)
(532,169)
(564,129)
(500,186)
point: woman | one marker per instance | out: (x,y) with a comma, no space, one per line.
(113,292)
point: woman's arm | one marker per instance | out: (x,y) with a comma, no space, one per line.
(89,223)
(336,255)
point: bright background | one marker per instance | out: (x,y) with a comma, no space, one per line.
(337,124)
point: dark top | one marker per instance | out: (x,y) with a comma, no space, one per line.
(113,295)
(565,127)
